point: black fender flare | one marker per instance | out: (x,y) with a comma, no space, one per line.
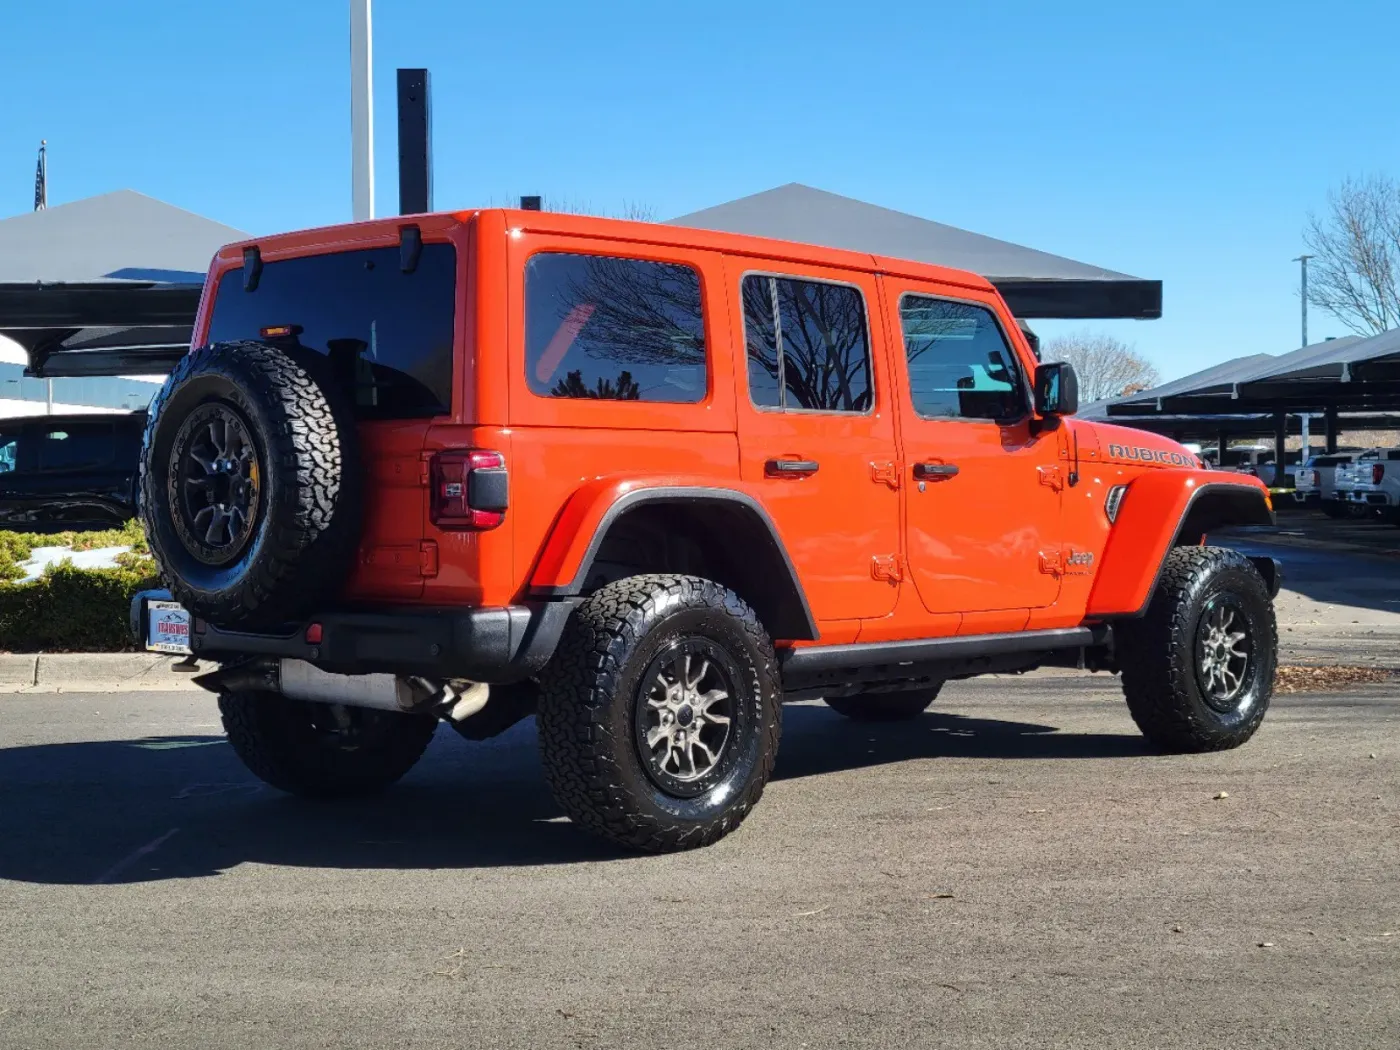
(749,535)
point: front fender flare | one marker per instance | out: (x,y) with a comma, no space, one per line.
(1156,509)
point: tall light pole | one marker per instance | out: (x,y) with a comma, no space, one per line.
(361,111)
(1303,294)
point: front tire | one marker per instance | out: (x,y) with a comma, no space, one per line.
(900,706)
(660,713)
(322,750)
(1198,668)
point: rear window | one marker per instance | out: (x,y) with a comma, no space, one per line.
(387,333)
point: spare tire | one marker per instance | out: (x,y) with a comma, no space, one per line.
(250,484)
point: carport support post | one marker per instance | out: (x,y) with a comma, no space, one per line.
(1329,415)
(1222,442)
(1280,447)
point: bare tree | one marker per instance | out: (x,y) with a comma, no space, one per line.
(632,210)
(1107,367)
(1356,255)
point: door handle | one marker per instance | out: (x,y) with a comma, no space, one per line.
(935,471)
(790,468)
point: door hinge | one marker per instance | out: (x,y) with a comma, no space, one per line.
(1052,476)
(428,559)
(885,472)
(887,567)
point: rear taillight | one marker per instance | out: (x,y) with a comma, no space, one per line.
(1377,473)
(470,489)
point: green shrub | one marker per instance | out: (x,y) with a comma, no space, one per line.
(72,609)
(67,608)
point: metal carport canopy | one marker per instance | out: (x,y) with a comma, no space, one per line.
(108,285)
(1035,284)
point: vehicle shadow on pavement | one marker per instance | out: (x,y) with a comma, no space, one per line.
(817,740)
(162,808)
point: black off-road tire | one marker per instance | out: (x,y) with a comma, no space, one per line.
(301,748)
(589,697)
(304,540)
(899,706)
(1334,508)
(1160,654)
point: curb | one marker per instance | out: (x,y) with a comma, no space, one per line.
(93,673)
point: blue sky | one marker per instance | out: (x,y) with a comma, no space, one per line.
(1183,141)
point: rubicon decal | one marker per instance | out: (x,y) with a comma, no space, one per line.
(1142,454)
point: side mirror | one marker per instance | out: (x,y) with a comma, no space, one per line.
(1056,390)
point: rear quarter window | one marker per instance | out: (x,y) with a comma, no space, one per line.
(388,334)
(608,328)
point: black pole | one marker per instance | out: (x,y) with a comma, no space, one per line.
(415,142)
(1222,442)
(1330,418)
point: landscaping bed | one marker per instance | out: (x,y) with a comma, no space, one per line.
(67,608)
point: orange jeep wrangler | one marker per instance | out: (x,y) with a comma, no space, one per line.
(646,483)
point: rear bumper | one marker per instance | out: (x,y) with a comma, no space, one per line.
(1369,497)
(502,644)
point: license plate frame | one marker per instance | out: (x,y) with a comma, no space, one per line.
(167,628)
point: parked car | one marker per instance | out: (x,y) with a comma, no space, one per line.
(1371,483)
(646,483)
(69,472)
(1256,460)
(1315,484)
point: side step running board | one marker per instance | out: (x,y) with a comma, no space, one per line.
(908,658)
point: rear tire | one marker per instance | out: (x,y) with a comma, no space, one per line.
(321,750)
(1198,668)
(660,713)
(898,706)
(1334,508)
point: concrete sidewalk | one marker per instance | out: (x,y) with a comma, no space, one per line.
(93,673)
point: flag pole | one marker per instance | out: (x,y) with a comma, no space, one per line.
(41,177)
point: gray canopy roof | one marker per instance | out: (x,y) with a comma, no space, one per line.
(105,285)
(1047,285)
(123,235)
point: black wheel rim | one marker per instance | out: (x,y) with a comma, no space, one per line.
(1224,654)
(216,483)
(688,712)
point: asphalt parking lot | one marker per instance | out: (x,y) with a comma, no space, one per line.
(1012,870)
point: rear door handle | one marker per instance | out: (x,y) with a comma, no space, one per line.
(935,471)
(790,468)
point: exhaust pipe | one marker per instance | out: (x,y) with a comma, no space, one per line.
(300,680)
(383,692)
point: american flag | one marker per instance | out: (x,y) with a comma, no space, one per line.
(41,179)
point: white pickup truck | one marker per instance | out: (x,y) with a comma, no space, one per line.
(1315,483)
(1371,482)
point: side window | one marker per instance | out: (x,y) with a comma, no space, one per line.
(9,453)
(75,446)
(960,364)
(807,345)
(615,329)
